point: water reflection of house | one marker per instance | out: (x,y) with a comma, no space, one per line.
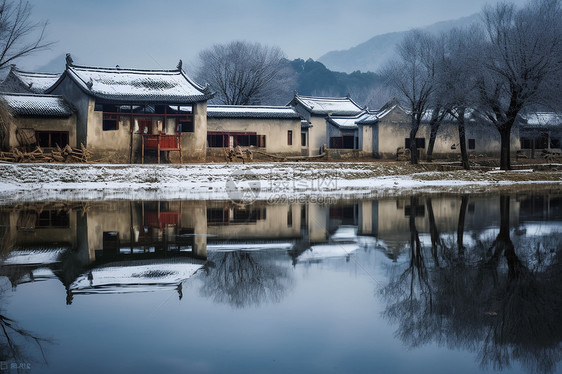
(139,246)
(117,247)
(257,222)
(33,238)
(389,220)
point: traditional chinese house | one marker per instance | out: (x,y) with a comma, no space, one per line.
(124,114)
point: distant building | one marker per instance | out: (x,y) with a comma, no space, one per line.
(540,131)
(122,115)
(270,129)
(19,81)
(315,111)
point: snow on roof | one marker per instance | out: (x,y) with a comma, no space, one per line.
(136,276)
(35,82)
(248,111)
(34,256)
(337,106)
(137,86)
(351,122)
(37,105)
(318,253)
(542,119)
(384,112)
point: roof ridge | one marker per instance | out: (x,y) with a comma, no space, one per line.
(129,70)
(250,106)
(29,94)
(16,70)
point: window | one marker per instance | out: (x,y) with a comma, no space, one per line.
(222,139)
(217,140)
(303,139)
(289,137)
(417,211)
(185,126)
(420,143)
(53,219)
(527,143)
(343,142)
(471,143)
(110,122)
(47,139)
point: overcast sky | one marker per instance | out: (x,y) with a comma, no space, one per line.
(157,33)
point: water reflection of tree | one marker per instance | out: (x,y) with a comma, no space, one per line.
(15,342)
(489,299)
(244,279)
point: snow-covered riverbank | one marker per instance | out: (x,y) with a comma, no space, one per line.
(256,181)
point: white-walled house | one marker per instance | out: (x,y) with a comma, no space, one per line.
(270,129)
(315,110)
(122,112)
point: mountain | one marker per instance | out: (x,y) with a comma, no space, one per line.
(375,52)
(314,79)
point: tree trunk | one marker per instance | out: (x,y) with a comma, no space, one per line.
(505,147)
(460,224)
(433,231)
(434,125)
(413,147)
(432,137)
(462,140)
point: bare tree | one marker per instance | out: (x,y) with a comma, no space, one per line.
(413,76)
(245,73)
(520,60)
(457,78)
(19,34)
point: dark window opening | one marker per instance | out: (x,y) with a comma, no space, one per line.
(346,214)
(555,143)
(343,142)
(539,142)
(289,137)
(420,143)
(303,139)
(226,216)
(48,139)
(418,211)
(242,140)
(217,140)
(186,126)
(526,143)
(110,122)
(471,143)
(53,219)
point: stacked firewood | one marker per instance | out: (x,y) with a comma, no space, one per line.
(57,154)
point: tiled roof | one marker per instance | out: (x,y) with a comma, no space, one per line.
(351,122)
(31,105)
(137,86)
(245,111)
(36,82)
(336,106)
(541,120)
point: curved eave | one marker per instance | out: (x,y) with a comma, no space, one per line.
(130,100)
(251,115)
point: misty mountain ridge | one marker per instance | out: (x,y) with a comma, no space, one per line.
(371,55)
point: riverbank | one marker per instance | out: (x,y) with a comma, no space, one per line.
(258,181)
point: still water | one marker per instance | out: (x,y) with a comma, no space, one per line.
(426,284)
